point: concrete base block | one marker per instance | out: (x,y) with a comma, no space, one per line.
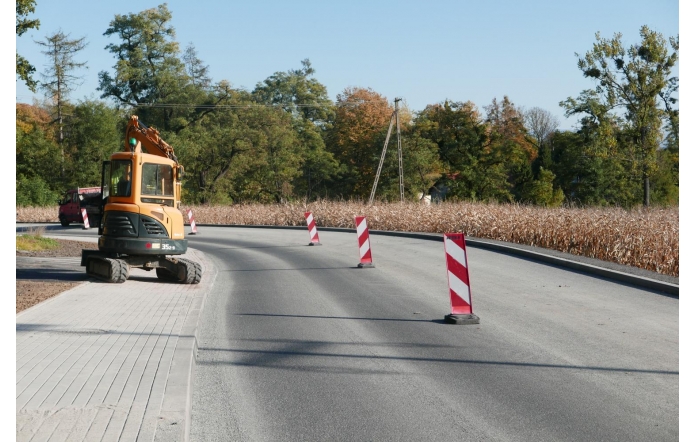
(462,319)
(365,265)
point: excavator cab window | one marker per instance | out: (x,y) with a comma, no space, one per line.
(158,181)
(105,179)
(121,178)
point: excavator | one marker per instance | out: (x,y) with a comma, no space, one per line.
(141,224)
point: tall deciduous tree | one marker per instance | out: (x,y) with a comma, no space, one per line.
(510,146)
(148,70)
(540,124)
(37,155)
(312,112)
(421,164)
(458,130)
(362,116)
(23,24)
(243,152)
(95,133)
(59,77)
(638,81)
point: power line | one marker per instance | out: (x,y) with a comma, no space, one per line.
(248,105)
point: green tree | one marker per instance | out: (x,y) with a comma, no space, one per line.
(23,24)
(37,156)
(510,147)
(196,69)
(95,133)
(280,158)
(587,175)
(461,136)
(34,191)
(59,79)
(147,70)
(169,92)
(541,191)
(306,100)
(213,149)
(638,81)
(241,153)
(421,166)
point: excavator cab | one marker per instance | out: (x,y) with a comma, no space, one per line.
(142,225)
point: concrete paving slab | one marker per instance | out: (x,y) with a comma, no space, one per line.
(109,362)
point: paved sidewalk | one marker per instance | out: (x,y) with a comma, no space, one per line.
(110,362)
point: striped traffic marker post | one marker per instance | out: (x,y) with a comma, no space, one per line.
(194,229)
(85,219)
(459,285)
(363,243)
(313,233)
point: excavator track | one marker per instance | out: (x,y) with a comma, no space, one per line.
(189,272)
(194,271)
(108,269)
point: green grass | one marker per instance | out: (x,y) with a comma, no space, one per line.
(34,240)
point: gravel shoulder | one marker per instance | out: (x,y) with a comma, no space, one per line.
(33,291)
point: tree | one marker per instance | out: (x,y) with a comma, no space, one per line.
(586,173)
(421,165)
(148,70)
(195,68)
(58,78)
(541,124)
(541,191)
(356,139)
(242,152)
(170,93)
(96,133)
(638,81)
(461,136)
(37,156)
(23,24)
(510,147)
(306,100)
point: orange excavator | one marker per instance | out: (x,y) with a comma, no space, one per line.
(141,224)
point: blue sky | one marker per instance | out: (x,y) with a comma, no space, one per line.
(423,52)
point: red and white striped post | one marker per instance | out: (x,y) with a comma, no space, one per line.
(85,218)
(313,233)
(194,229)
(363,243)
(459,284)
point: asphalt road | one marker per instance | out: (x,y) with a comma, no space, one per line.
(296,343)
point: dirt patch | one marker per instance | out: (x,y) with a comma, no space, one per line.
(30,293)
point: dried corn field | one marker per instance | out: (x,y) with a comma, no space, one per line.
(643,238)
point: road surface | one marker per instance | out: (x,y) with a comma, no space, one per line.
(297,343)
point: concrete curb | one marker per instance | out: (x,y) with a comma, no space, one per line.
(512,249)
(177,401)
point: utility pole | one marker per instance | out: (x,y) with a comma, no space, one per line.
(394,116)
(400,154)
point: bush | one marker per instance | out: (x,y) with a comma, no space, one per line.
(34,192)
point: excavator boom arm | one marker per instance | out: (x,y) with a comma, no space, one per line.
(149,139)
